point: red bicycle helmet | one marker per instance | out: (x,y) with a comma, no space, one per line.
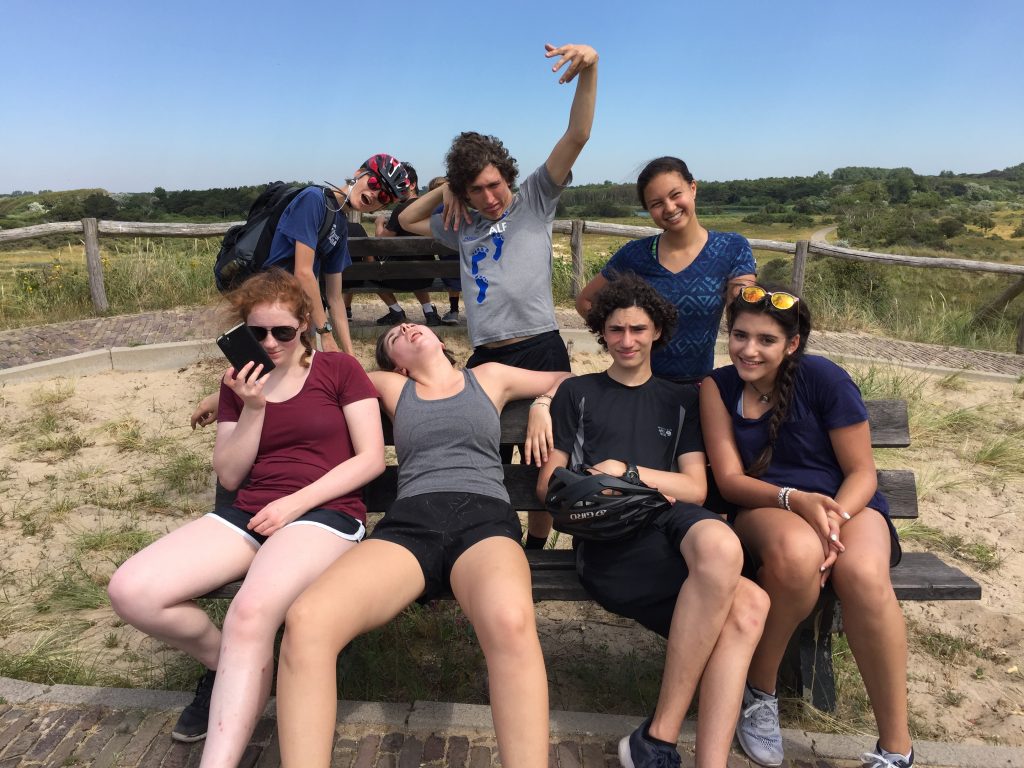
(391,174)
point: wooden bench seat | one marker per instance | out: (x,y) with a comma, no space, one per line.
(383,249)
(808,665)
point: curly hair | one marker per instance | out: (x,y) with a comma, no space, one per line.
(627,290)
(793,321)
(275,286)
(469,154)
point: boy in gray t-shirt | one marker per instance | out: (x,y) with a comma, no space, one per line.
(504,237)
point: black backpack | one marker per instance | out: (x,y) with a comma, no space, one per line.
(246,246)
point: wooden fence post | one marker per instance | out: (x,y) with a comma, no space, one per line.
(1020,335)
(576,247)
(799,267)
(91,236)
(991,310)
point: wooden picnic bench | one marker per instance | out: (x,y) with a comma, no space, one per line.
(807,668)
(368,274)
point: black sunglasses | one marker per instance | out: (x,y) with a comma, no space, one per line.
(279,332)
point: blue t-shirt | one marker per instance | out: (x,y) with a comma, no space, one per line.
(301,222)
(824,398)
(698,292)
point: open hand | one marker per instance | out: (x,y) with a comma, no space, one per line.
(455,211)
(578,57)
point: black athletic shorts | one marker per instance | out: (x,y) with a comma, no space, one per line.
(438,527)
(640,577)
(340,524)
(543,352)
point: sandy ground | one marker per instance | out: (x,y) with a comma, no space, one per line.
(85,462)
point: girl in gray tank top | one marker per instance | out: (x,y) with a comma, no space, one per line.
(448,444)
(451,527)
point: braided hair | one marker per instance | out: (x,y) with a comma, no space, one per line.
(794,321)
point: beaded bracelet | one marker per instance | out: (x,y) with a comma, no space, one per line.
(783,498)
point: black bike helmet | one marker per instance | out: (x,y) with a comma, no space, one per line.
(600,507)
(391,174)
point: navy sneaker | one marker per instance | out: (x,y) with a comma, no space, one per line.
(638,751)
(192,724)
(432,318)
(392,317)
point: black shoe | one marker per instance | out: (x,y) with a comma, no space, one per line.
(348,312)
(432,318)
(392,317)
(192,724)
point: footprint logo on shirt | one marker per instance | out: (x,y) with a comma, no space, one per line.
(499,241)
(481,283)
(477,256)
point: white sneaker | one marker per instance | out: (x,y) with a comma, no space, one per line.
(758,728)
(881,759)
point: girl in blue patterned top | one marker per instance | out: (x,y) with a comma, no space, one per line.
(788,438)
(692,267)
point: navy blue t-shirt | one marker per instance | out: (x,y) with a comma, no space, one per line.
(698,292)
(824,398)
(301,222)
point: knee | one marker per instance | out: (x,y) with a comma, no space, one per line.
(792,563)
(507,625)
(749,609)
(248,619)
(130,596)
(717,559)
(862,580)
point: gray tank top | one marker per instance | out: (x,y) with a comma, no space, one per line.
(449,444)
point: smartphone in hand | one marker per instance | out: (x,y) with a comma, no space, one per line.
(240,348)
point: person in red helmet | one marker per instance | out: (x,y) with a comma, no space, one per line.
(297,247)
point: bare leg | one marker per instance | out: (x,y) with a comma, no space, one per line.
(491,581)
(359,592)
(790,553)
(288,562)
(721,687)
(539,523)
(874,624)
(714,558)
(154,590)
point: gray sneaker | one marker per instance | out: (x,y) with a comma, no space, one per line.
(879,759)
(451,318)
(758,728)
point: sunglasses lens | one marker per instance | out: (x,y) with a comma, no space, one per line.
(783,300)
(753,293)
(258,332)
(284,332)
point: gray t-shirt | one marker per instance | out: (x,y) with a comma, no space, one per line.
(506,264)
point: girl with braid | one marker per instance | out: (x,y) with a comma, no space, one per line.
(787,435)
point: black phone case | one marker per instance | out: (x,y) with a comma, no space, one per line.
(240,347)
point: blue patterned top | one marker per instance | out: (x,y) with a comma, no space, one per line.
(698,292)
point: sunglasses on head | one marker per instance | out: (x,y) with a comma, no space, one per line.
(376,184)
(754,294)
(279,332)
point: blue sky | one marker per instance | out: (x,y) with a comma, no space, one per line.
(194,94)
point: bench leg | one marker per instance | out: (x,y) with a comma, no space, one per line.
(806,668)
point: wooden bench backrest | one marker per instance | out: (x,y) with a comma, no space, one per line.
(887,419)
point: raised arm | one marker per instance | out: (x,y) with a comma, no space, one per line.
(415,217)
(582,61)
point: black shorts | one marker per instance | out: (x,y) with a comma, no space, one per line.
(438,527)
(340,524)
(543,352)
(640,577)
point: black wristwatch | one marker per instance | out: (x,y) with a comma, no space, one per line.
(632,474)
(326,328)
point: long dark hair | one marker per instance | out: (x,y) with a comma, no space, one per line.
(794,321)
(383,357)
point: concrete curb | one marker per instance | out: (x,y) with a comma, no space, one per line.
(432,717)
